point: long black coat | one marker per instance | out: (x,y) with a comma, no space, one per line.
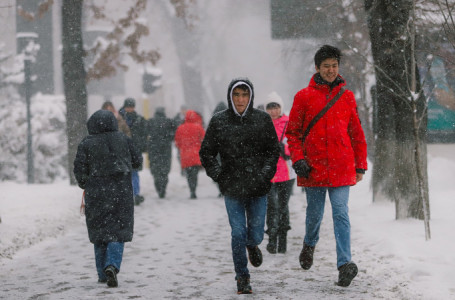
(248,148)
(103,165)
(161,131)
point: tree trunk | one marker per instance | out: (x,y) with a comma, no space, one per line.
(394,167)
(73,78)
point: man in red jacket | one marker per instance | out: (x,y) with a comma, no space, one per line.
(331,158)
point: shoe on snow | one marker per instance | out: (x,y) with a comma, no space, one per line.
(346,274)
(111,275)
(255,256)
(306,257)
(243,286)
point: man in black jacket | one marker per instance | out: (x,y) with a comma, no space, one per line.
(246,141)
(161,131)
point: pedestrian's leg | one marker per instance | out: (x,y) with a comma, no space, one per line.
(114,255)
(237,219)
(314,212)
(192,173)
(272,219)
(339,197)
(284,193)
(100,260)
(135,182)
(255,213)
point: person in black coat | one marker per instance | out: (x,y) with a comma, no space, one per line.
(137,125)
(247,143)
(161,131)
(103,165)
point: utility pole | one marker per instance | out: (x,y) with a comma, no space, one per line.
(26,42)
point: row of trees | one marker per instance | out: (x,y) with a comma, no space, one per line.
(394,27)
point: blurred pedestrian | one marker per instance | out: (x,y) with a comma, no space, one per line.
(278,198)
(137,125)
(248,146)
(328,157)
(161,132)
(103,165)
(122,126)
(180,116)
(188,139)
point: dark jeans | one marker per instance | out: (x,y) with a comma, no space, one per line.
(191,176)
(109,254)
(247,218)
(278,207)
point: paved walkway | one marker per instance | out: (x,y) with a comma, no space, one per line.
(181,250)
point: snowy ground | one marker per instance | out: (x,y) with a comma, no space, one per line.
(181,247)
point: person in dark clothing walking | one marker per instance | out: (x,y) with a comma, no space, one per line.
(188,139)
(137,125)
(247,143)
(103,165)
(161,132)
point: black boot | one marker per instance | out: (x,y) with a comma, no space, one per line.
(271,246)
(347,272)
(282,241)
(306,257)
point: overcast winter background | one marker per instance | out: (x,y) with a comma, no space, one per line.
(181,247)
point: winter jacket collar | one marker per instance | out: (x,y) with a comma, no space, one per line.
(320,83)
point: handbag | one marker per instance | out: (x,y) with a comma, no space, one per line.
(321,113)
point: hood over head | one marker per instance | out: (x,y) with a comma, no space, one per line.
(192,116)
(102,121)
(235,83)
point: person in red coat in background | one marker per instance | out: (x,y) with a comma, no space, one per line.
(188,139)
(332,158)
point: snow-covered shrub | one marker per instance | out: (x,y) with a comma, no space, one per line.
(49,141)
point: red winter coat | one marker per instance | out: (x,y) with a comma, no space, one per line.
(188,139)
(335,146)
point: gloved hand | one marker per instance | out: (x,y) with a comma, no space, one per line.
(302,168)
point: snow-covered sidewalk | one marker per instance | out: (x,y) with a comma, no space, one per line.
(181,247)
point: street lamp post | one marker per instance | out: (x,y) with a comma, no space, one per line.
(26,41)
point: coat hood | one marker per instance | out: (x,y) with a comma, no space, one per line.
(102,121)
(234,83)
(193,117)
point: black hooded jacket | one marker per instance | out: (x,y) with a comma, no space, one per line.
(103,165)
(248,149)
(161,131)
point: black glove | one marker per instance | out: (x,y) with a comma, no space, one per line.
(301,168)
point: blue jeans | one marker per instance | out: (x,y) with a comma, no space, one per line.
(314,212)
(247,220)
(135,182)
(109,254)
